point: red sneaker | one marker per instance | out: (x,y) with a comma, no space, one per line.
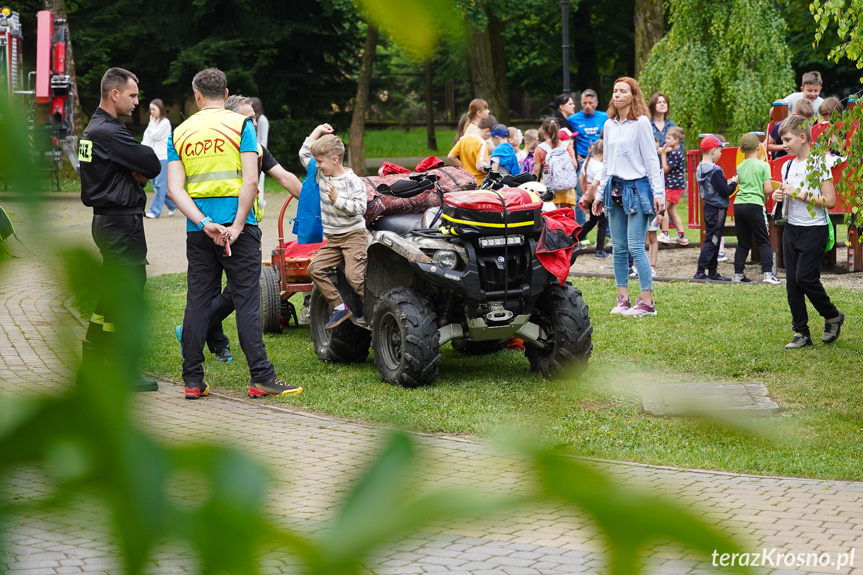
(197,392)
(275,387)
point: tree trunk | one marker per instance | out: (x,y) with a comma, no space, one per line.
(584,49)
(431,138)
(486,64)
(361,105)
(649,29)
(498,62)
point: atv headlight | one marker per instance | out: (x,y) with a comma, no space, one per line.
(445,259)
(500,241)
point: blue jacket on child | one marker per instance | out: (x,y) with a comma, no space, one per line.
(307,225)
(713,186)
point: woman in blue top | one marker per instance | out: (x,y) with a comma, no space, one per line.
(658,107)
(632,190)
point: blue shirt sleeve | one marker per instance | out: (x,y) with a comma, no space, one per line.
(173,156)
(249,140)
(720,184)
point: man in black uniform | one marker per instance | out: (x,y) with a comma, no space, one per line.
(114,169)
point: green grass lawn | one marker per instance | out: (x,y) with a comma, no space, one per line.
(403,143)
(703,333)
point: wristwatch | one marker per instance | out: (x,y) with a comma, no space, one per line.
(204,222)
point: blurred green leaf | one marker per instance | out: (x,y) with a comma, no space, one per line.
(629,519)
(416,25)
(382,507)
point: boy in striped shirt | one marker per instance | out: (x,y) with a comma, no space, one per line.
(343,203)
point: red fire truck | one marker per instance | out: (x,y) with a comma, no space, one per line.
(48,96)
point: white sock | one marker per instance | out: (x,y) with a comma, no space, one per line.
(340,307)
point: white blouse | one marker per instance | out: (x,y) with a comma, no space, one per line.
(629,153)
(156,136)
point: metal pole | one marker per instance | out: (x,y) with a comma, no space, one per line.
(564,9)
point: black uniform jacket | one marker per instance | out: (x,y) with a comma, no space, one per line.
(108,155)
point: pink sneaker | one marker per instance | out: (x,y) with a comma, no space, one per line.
(641,309)
(622,306)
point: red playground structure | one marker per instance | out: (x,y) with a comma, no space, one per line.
(728,162)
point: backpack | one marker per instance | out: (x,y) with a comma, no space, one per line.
(561,173)
(527,166)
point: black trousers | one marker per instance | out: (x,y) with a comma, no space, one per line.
(803,249)
(601,224)
(751,220)
(123,246)
(204,280)
(714,220)
(221,307)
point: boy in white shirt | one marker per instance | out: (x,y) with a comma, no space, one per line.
(806,234)
(343,204)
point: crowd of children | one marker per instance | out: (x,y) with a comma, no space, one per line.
(571,167)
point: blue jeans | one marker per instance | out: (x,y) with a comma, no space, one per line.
(580,216)
(628,232)
(160,186)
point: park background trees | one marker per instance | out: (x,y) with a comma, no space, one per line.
(721,65)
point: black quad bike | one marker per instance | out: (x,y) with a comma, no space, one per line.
(474,282)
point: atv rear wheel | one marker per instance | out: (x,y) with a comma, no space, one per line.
(563,316)
(346,343)
(271,302)
(405,338)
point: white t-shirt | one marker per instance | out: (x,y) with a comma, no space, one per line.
(592,170)
(797,211)
(797,96)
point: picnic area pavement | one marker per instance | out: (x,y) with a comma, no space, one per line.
(313,458)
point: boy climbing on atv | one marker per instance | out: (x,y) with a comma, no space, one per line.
(343,203)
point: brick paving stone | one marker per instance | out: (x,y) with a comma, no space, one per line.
(39,337)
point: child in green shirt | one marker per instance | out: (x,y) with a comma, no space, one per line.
(750,217)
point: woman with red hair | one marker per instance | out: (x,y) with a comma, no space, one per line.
(631,191)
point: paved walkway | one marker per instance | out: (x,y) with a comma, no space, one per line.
(313,455)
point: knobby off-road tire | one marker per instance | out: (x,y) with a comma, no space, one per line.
(563,315)
(468,347)
(346,343)
(271,301)
(405,339)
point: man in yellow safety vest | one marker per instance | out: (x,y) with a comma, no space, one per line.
(213,179)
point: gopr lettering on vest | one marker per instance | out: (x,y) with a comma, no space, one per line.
(208,143)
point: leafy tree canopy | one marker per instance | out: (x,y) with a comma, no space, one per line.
(299,61)
(722,64)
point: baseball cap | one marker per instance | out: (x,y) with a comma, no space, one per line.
(710,142)
(499,130)
(564,134)
(749,142)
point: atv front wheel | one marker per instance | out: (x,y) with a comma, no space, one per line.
(346,343)
(405,338)
(566,347)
